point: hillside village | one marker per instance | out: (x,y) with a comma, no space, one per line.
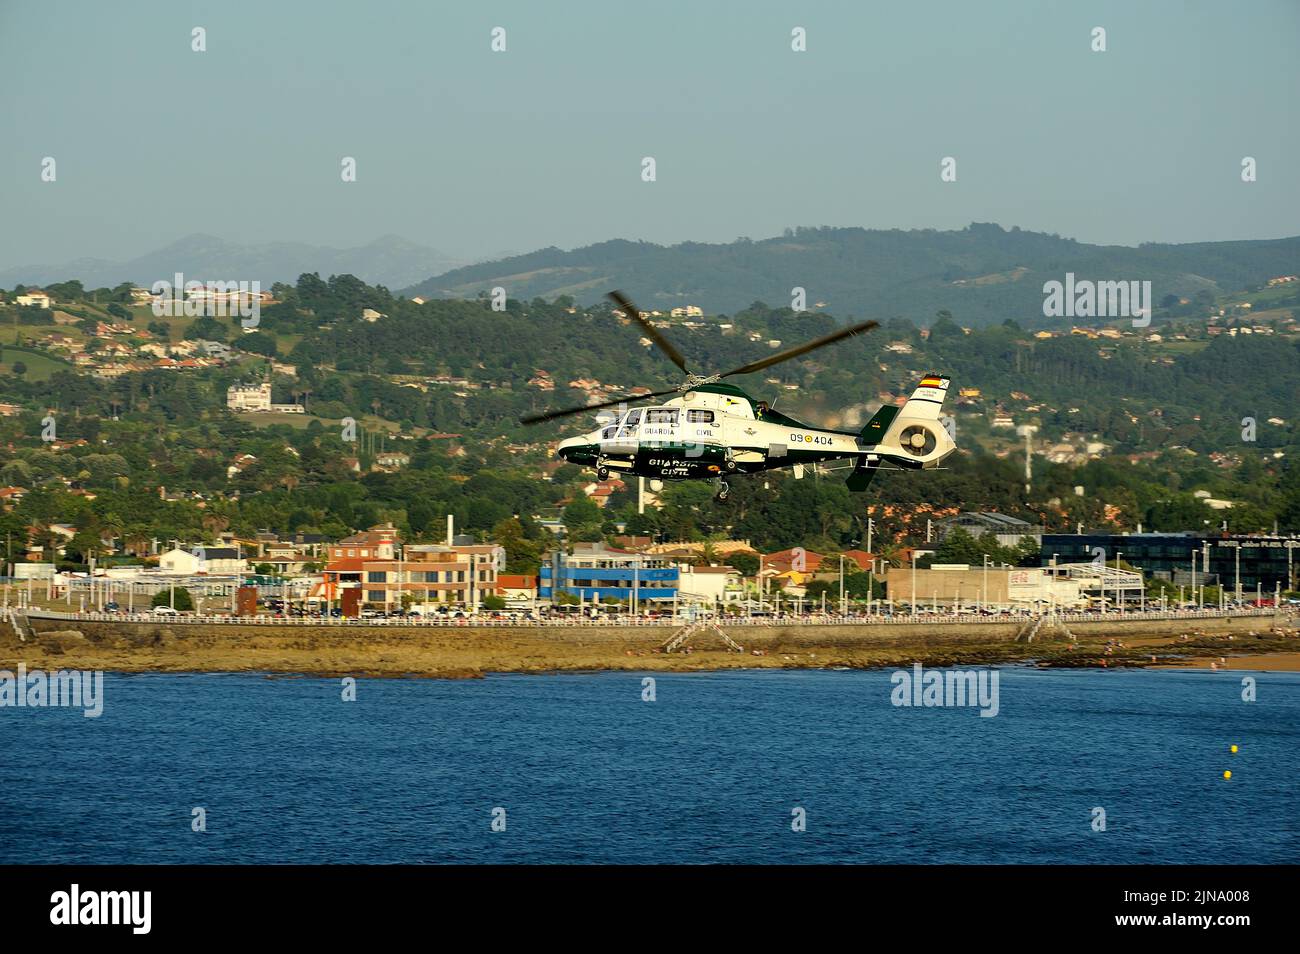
(248,437)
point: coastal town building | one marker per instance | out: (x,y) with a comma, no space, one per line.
(34,298)
(517,589)
(1008,531)
(257,398)
(710,585)
(420,577)
(596,571)
(1260,562)
(178,562)
(219,560)
(965,587)
(460,574)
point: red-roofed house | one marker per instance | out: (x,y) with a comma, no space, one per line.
(602,490)
(861,559)
(517,587)
(795,558)
(11,495)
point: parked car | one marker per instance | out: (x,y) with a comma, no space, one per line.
(164,611)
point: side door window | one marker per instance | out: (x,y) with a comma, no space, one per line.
(632,422)
(700,425)
(660,424)
(700,417)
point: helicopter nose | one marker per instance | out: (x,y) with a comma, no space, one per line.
(568,445)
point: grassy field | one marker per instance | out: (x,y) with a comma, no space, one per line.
(368,422)
(39,366)
(1180,347)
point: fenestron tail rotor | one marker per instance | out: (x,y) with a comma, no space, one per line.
(693,380)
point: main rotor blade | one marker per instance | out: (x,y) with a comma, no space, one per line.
(653,333)
(813,345)
(626,399)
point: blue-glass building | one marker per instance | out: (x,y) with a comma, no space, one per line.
(596,572)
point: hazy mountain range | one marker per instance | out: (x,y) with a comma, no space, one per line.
(391,261)
(982,273)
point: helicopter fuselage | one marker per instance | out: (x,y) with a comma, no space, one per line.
(713,431)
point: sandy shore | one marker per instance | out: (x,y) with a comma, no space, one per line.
(1264,662)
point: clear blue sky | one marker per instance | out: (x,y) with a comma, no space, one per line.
(475,152)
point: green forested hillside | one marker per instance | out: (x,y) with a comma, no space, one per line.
(156,452)
(983,273)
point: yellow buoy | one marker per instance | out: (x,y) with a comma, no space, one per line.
(1227,775)
(1234,750)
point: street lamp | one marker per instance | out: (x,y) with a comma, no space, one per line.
(913,608)
(1119,581)
(843,612)
(984,587)
(1236,561)
(1205,575)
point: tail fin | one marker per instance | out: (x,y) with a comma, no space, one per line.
(913,436)
(878,426)
(926,401)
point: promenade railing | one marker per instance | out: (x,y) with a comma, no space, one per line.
(481,622)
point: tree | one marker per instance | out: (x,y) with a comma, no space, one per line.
(184,601)
(491,601)
(581,511)
(862,586)
(19,368)
(258,342)
(522,555)
(206,328)
(84,545)
(814,590)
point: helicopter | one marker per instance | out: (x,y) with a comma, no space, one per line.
(713,430)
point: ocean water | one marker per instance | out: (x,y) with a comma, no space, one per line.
(709,772)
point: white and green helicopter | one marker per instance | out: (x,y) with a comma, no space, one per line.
(712,430)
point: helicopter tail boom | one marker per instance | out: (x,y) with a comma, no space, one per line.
(913,436)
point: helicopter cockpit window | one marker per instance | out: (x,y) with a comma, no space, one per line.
(699,417)
(631,421)
(661,415)
(611,431)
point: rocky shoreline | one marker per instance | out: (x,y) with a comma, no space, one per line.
(474,652)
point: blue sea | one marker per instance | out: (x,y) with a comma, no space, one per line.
(710,771)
